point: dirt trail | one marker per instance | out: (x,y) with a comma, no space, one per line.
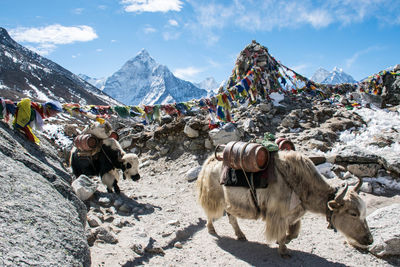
(168,229)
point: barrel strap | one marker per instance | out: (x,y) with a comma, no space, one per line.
(251,184)
(252,189)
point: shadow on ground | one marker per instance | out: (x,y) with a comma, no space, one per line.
(258,254)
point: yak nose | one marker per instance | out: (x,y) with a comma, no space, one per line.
(135,177)
(368,239)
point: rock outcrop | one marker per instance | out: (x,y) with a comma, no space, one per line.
(41,219)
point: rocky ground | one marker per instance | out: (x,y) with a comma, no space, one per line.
(157,222)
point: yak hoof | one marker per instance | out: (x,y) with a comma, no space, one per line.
(242,238)
(211,230)
(285,255)
(284,252)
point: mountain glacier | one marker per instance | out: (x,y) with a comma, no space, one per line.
(336,76)
(141,80)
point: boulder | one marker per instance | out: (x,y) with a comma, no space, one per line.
(42,221)
(192,174)
(384,226)
(225,134)
(190,132)
(84,187)
(364,170)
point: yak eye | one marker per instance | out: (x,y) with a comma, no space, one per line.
(128,166)
(352,213)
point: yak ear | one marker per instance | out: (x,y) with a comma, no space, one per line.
(334,205)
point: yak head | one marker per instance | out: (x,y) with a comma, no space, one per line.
(130,166)
(348,216)
(100,130)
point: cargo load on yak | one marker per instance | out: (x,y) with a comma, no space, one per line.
(249,164)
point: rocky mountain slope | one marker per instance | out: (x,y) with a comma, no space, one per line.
(157,220)
(141,80)
(24,73)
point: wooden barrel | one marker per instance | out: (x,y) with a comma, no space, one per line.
(86,142)
(285,144)
(114,135)
(250,157)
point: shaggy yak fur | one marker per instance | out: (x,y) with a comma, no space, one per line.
(295,174)
(106,164)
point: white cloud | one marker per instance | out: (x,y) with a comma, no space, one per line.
(350,61)
(152,5)
(318,18)
(102,7)
(48,37)
(42,49)
(266,15)
(300,68)
(77,11)
(171,35)
(148,29)
(173,22)
(99,50)
(187,73)
(54,34)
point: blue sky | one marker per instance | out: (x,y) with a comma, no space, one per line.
(197,39)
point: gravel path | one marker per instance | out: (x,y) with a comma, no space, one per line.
(167,228)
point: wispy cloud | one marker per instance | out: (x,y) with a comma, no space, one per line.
(149,29)
(350,61)
(171,35)
(187,73)
(42,49)
(173,22)
(77,11)
(300,68)
(267,15)
(48,37)
(152,5)
(99,50)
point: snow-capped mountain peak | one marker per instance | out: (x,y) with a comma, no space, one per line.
(210,85)
(336,76)
(141,80)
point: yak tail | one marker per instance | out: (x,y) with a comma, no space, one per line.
(210,193)
(276,226)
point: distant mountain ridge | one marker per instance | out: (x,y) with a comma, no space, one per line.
(336,76)
(96,82)
(141,80)
(210,85)
(24,73)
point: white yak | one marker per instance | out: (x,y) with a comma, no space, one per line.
(297,176)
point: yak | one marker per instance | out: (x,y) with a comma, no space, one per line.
(296,178)
(106,163)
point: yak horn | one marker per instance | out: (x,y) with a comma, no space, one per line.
(358,185)
(341,194)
